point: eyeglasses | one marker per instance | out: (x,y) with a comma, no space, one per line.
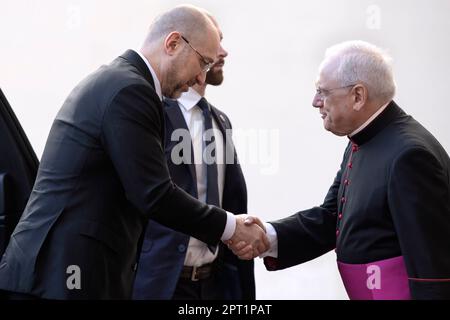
(324,93)
(207,64)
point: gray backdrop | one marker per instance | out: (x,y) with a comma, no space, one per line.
(275,47)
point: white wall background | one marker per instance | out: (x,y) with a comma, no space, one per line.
(48,46)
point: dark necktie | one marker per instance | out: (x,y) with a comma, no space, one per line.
(212,185)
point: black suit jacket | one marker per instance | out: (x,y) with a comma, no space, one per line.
(103,174)
(18,168)
(164,250)
(391,197)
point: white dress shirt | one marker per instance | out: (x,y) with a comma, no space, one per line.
(231,219)
(198,253)
(270,230)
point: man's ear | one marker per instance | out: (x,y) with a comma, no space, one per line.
(172,43)
(359,96)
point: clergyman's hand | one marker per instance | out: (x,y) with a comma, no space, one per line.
(249,239)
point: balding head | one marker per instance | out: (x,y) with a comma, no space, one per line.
(189,20)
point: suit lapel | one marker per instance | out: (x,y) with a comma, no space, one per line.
(220,120)
(223,126)
(228,145)
(234,197)
(177,121)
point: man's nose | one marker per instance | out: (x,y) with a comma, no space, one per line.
(317,101)
(222,52)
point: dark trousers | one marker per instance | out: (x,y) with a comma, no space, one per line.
(8,295)
(223,284)
(196,290)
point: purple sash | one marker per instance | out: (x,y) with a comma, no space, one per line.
(379,280)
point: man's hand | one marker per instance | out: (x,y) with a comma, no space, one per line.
(249,239)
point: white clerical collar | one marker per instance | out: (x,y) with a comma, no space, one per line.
(365,124)
(155,78)
(189,99)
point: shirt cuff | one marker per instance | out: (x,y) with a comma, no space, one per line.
(271,234)
(230,227)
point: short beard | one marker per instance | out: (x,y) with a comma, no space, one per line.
(214,77)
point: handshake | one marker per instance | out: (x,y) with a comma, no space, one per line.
(249,239)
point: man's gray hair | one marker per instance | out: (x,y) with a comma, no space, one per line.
(189,20)
(358,61)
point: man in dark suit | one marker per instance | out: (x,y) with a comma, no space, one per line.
(172,264)
(103,173)
(387,212)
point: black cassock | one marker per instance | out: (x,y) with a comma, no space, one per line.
(389,206)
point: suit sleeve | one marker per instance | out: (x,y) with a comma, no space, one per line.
(418,195)
(132,135)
